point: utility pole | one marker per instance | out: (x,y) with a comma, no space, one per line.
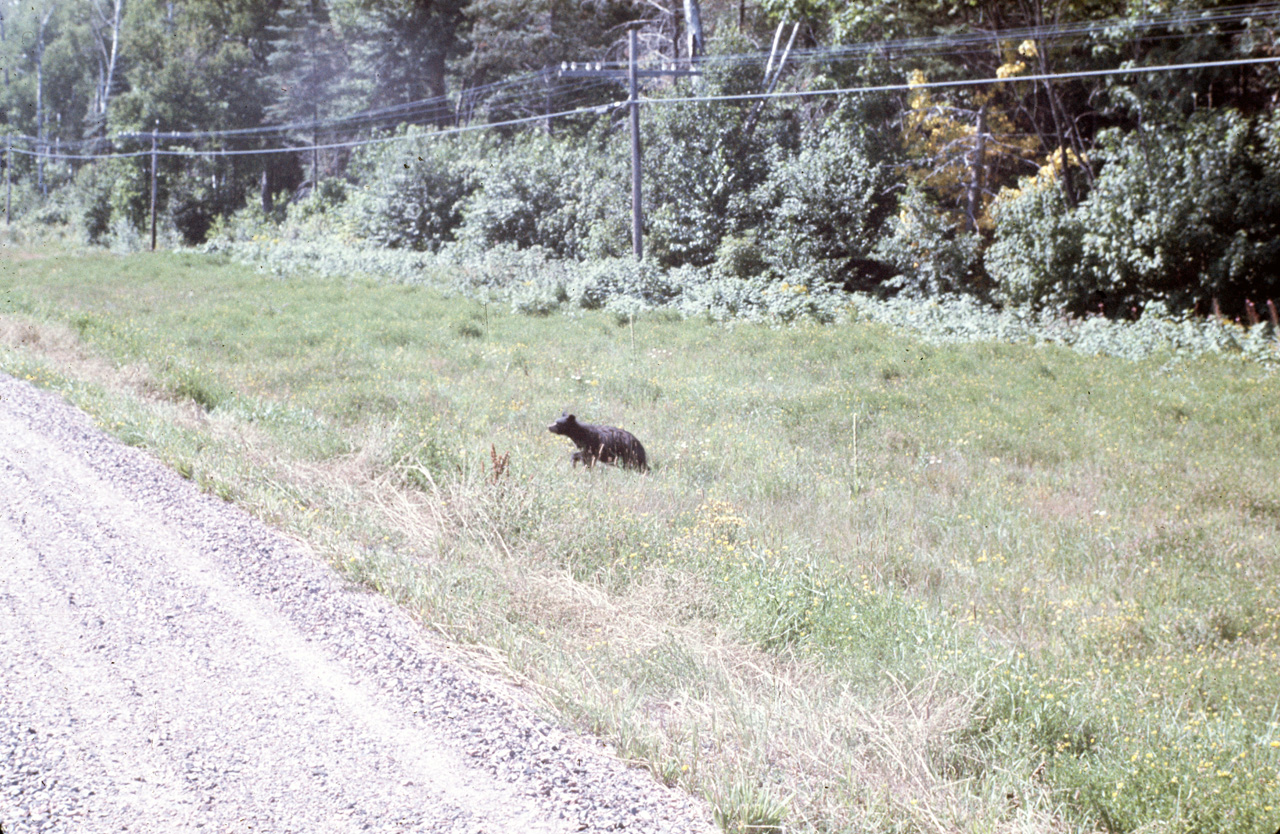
(633,102)
(315,150)
(632,76)
(153,186)
(8,175)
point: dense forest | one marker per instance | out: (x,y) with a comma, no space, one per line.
(1080,156)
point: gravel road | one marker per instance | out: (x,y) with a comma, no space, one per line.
(171,664)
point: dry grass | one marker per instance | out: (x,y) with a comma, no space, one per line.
(991,627)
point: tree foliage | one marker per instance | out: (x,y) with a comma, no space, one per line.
(826,205)
(1186,213)
(558,195)
(1054,187)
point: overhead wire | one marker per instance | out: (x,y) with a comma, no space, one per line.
(514,93)
(965,82)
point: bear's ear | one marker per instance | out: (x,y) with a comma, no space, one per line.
(572,419)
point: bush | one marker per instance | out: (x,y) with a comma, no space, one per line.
(192,211)
(327,197)
(963,318)
(595,283)
(413,191)
(701,168)
(707,293)
(826,205)
(930,256)
(1039,244)
(106,194)
(1186,213)
(740,257)
(558,194)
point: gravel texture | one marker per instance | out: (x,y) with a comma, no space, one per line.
(169,663)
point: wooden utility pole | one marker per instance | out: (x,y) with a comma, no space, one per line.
(153,186)
(315,150)
(40,148)
(8,175)
(637,218)
(632,76)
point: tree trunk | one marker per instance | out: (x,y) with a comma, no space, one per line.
(693,27)
(771,81)
(268,203)
(40,149)
(977,171)
(105,28)
(117,12)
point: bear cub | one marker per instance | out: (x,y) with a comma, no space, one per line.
(601,443)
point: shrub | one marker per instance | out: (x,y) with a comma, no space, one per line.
(740,257)
(826,205)
(930,256)
(707,293)
(413,191)
(1039,243)
(594,283)
(701,168)
(105,194)
(192,209)
(1186,213)
(536,190)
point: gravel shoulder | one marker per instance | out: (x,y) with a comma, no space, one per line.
(169,663)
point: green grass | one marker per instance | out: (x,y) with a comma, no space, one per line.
(1038,591)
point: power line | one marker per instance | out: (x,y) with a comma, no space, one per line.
(605,108)
(493,96)
(905,47)
(379,140)
(969,82)
(371,118)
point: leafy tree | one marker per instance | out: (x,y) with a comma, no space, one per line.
(197,65)
(307,64)
(29,32)
(1039,246)
(1187,213)
(928,253)
(308,76)
(106,26)
(513,37)
(963,151)
(420,193)
(701,166)
(826,206)
(400,48)
(565,196)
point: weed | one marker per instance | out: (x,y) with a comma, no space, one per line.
(1031,590)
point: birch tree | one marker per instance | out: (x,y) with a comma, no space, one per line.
(107,17)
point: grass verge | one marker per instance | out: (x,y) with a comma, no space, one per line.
(870,584)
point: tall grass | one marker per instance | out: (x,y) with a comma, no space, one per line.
(1040,592)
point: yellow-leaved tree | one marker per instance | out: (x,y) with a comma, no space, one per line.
(965,145)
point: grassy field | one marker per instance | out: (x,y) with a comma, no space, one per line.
(869,585)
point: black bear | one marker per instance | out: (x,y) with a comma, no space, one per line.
(601,443)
